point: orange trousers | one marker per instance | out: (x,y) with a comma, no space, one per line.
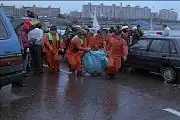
(114,65)
(74,60)
(52,63)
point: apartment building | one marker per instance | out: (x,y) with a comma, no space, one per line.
(165,14)
(126,12)
(75,14)
(116,12)
(41,11)
(10,10)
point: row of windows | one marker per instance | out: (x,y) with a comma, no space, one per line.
(161,46)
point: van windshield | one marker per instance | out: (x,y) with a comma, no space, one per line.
(3,31)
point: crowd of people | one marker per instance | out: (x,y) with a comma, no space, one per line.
(114,41)
(50,46)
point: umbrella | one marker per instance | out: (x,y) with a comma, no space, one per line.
(142,23)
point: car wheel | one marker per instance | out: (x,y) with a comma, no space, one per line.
(168,74)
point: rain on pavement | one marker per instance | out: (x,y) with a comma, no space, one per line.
(131,96)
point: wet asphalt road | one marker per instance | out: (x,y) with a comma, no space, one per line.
(132,96)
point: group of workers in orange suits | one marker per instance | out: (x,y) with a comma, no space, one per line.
(81,42)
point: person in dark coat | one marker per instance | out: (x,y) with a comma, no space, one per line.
(35,36)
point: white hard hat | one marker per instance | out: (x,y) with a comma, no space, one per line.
(134,28)
(124,27)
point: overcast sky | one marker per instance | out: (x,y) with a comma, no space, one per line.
(67,6)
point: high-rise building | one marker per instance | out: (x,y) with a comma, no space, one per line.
(42,11)
(113,11)
(165,14)
(75,14)
(10,10)
(86,11)
(116,12)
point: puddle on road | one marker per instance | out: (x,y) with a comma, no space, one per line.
(7,97)
(87,93)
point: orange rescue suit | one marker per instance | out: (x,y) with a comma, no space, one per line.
(52,47)
(75,52)
(97,42)
(117,49)
(89,40)
(107,39)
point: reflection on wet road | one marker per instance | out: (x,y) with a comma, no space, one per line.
(131,96)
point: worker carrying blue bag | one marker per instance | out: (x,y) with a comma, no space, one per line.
(95,61)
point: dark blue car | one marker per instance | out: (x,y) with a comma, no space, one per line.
(11,67)
(157,54)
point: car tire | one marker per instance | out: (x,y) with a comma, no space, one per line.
(168,74)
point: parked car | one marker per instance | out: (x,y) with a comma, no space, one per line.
(11,67)
(157,54)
